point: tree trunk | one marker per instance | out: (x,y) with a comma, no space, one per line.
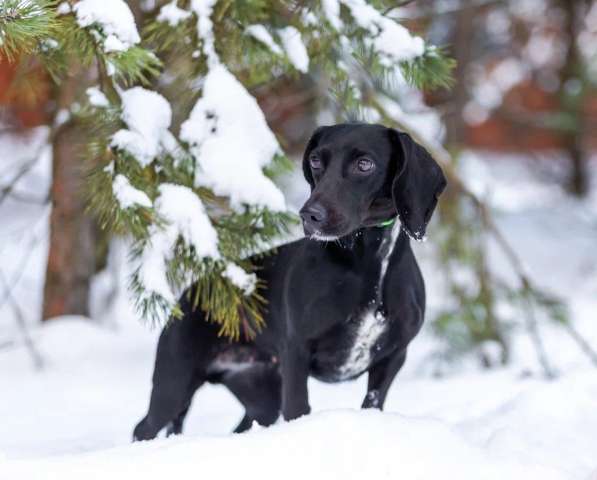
(71,257)
(572,103)
(461,51)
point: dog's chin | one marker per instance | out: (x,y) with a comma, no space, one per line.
(320,237)
(326,235)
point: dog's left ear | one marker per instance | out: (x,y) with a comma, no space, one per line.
(418,183)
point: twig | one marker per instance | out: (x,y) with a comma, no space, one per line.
(27,198)
(582,342)
(403,3)
(7,189)
(38,361)
(20,270)
(533,329)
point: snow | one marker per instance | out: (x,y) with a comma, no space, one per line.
(232,142)
(113,18)
(203,9)
(241,279)
(260,33)
(295,48)
(331,9)
(97,97)
(127,195)
(74,418)
(172,14)
(147,115)
(185,218)
(392,41)
(63,8)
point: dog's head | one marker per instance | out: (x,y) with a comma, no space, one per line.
(362,175)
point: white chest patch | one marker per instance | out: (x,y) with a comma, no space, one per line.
(373,323)
(372,326)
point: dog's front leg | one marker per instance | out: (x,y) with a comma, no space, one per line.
(380,379)
(294,364)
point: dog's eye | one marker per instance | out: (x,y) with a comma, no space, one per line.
(365,164)
(315,162)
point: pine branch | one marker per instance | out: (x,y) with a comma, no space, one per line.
(23,24)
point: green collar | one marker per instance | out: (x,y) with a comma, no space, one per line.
(387,223)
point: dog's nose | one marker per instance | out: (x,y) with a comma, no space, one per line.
(313,214)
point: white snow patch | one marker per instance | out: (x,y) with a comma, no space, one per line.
(391,40)
(114,19)
(64,8)
(97,97)
(260,33)
(185,218)
(62,116)
(172,14)
(241,279)
(331,9)
(232,143)
(295,48)
(127,195)
(204,9)
(147,115)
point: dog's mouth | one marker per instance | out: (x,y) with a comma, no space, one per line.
(326,234)
(320,237)
(324,224)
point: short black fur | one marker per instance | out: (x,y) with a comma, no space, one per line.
(337,308)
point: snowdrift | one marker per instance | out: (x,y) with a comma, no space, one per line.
(339,444)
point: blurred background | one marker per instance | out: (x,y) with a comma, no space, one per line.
(511,260)
(523,105)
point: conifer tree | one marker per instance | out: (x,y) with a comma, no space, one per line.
(188,172)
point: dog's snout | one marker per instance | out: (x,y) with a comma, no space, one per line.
(314,214)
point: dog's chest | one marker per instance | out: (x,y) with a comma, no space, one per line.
(350,348)
(366,342)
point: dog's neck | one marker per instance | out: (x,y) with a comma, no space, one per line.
(379,239)
(370,248)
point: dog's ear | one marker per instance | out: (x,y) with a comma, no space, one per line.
(311,144)
(418,183)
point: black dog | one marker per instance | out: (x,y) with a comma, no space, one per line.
(336,309)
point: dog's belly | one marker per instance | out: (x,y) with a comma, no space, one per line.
(349,349)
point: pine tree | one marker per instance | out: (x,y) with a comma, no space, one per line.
(190,177)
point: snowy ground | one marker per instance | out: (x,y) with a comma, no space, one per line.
(74,417)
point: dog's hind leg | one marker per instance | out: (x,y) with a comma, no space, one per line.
(258,389)
(185,349)
(174,383)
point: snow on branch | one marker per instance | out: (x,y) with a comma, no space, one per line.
(185,218)
(147,115)
(232,142)
(392,41)
(172,14)
(127,195)
(260,33)
(295,48)
(203,9)
(246,282)
(112,20)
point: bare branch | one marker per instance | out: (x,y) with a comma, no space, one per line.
(38,361)
(8,188)
(582,343)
